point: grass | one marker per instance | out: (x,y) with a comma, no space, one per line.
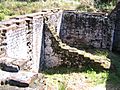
(60,76)
(17,8)
(95,77)
(10,8)
(63,80)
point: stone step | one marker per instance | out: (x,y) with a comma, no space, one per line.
(11,65)
(20,79)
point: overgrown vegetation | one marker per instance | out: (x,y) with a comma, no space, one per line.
(10,8)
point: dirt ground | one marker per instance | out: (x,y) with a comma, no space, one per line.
(74,82)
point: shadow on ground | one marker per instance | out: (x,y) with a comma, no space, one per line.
(113,79)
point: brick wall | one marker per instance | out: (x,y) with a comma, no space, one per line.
(21,38)
(16,41)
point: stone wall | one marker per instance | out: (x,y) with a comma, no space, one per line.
(84,30)
(37,41)
(58,53)
(46,39)
(51,58)
(21,39)
(16,42)
(28,38)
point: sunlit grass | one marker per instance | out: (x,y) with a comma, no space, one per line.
(11,8)
(60,76)
(90,77)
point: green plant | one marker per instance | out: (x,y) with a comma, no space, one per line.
(97,78)
(2,16)
(61,86)
(106,7)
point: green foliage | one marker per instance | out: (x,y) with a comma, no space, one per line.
(65,74)
(111,76)
(97,78)
(106,6)
(29,0)
(85,8)
(20,7)
(61,86)
(2,16)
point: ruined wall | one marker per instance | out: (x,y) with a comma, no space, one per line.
(26,38)
(22,40)
(84,30)
(2,42)
(73,57)
(16,42)
(58,53)
(37,41)
(51,58)
(15,39)
(29,38)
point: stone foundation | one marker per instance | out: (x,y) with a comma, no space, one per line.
(52,38)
